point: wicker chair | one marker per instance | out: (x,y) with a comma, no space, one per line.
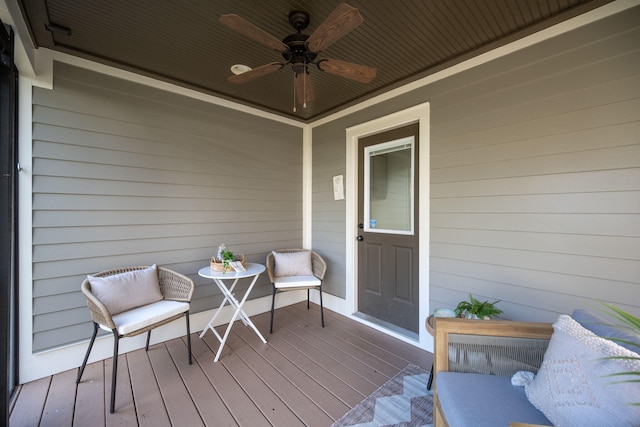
(176,291)
(491,347)
(290,283)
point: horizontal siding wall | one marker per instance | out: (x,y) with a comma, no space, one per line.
(328,214)
(129,175)
(535,175)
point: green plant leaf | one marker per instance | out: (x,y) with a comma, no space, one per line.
(633,324)
(476,307)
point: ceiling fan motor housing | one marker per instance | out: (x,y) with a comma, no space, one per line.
(298,54)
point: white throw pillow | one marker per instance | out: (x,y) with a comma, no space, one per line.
(293,263)
(577,383)
(124,291)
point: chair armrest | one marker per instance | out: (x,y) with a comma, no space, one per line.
(97,309)
(318,265)
(485,345)
(175,286)
(270,264)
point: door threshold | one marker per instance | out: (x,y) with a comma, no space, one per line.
(387,325)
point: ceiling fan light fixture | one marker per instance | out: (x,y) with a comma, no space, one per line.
(239,69)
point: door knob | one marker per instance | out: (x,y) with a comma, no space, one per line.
(359,238)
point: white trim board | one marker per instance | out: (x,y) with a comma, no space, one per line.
(421,114)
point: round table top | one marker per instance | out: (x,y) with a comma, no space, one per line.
(252,269)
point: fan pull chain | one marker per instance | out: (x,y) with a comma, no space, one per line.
(294,92)
(304,99)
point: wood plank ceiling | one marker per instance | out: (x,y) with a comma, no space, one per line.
(184,43)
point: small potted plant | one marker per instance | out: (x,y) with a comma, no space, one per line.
(226,257)
(221,262)
(476,309)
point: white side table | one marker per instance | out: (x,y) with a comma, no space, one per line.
(252,270)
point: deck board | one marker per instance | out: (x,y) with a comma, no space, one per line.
(259,383)
(305,361)
(89,395)
(369,350)
(305,375)
(341,351)
(244,410)
(328,403)
(125,414)
(323,360)
(204,395)
(303,407)
(29,405)
(58,408)
(175,395)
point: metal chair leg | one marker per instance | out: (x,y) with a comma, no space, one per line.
(146,348)
(86,356)
(308,291)
(321,306)
(114,373)
(273,304)
(186,315)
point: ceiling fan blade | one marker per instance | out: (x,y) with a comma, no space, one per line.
(247,29)
(342,20)
(255,73)
(360,73)
(304,89)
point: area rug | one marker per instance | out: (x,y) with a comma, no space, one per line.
(402,401)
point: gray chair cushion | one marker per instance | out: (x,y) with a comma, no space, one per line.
(478,400)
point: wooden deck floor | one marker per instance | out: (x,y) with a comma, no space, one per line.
(305,375)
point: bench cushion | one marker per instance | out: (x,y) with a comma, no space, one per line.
(141,317)
(602,326)
(478,400)
(296,282)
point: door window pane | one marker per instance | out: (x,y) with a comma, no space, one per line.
(389,187)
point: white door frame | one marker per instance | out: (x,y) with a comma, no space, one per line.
(419,113)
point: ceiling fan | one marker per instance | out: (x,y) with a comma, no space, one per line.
(301,50)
